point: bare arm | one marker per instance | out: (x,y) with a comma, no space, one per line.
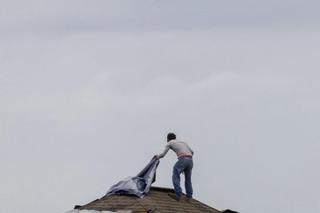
(164,151)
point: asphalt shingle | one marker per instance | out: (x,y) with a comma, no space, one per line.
(156,201)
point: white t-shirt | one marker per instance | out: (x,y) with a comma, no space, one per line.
(179,147)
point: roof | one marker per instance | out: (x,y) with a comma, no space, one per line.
(156,201)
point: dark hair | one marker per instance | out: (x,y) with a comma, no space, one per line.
(171,136)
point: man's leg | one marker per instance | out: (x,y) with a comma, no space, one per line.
(177,170)
(188,183)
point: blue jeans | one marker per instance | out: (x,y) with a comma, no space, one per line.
(185,165)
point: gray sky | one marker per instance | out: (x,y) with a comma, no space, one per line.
(89,90)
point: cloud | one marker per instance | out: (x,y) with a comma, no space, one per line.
(245,97)
(79,16)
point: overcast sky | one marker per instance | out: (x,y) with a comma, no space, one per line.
(89,90)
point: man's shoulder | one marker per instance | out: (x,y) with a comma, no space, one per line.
(181,142)
(172,142)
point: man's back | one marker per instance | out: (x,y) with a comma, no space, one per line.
(179,147)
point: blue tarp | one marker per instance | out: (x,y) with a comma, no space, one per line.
(138,185)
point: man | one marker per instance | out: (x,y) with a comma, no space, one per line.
(184,164)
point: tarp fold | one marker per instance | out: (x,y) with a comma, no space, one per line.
(138,185)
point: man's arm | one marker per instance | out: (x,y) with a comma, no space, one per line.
(164,151)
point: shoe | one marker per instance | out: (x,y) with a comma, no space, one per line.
(175,197)
(188,200)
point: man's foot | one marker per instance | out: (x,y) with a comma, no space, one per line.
(175,197)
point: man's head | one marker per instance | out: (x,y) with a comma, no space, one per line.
(171,136)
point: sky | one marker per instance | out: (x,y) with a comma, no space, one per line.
(89,90)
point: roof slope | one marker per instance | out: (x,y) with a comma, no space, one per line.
(156,201)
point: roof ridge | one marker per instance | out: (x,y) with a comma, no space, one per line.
(161,189)
(157,200)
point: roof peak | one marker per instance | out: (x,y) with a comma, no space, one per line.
(161,189)
(156,200)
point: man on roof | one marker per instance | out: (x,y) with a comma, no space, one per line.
(183,165)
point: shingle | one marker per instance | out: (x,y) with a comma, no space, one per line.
(157,200)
